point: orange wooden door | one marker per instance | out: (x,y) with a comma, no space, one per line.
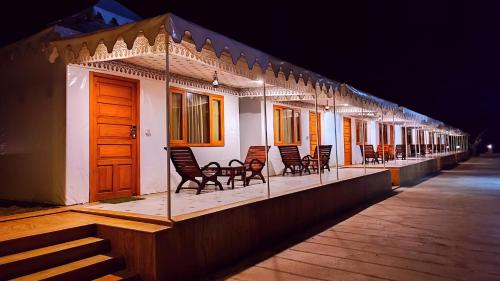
(314,135)
(347,142)
(391,133)
(114,167)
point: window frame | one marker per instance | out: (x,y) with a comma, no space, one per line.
(357,123)
(297,135)
(383,136)
(184,125)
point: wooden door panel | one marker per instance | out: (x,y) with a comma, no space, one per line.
(114,153)
(113,150)
(114,90)
(124,173)
(113,131)
(113,110)
(105,178)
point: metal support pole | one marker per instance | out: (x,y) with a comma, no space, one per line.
(335,131)
(394,138)
(266,141)
(406,141)
(363,134)
(167,119)
(318,133)
(383,140)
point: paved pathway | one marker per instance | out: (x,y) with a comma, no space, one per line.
(446,228)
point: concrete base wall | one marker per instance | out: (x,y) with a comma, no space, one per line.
(195,246)
(411,174)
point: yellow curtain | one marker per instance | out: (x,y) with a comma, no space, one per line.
(176,115)
(216,120)
(198,119)
(287,126)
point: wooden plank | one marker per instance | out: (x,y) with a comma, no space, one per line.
(446,228)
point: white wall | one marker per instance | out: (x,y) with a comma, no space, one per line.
(250,124)
(253,127)
(275,164)
(77,135)
(153,158)
(398,135)
(32,126)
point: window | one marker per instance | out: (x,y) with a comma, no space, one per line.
(196,119)
(382,131)
(359,137)
(286,125)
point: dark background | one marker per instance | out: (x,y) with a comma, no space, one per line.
(439,58)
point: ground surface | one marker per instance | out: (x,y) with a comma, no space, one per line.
(12,208)
(446,228)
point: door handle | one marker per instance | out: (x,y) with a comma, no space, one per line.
(133,131)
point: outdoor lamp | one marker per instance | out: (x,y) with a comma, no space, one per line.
(215,82)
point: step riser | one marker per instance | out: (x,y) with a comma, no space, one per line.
(90,272)
(34,264)
(23,244)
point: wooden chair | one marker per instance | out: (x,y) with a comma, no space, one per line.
(254,162)
(291,159)
(382,153)
(429,149)
(368,153)
(187,167)
(422,149)
(325,152)
(400,152)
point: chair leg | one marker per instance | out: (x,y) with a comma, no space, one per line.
(262,177)
(201,185)
(219,184)
(183,181)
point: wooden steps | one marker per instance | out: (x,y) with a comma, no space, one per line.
(120,275)
(69,254)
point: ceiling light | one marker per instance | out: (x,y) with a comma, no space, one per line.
(215,82)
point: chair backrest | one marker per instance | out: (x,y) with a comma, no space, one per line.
(369,150)
(256,152)
(400,148)
(325,152)
(290,154)
(184,161)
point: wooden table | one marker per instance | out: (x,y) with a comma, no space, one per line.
(233,172)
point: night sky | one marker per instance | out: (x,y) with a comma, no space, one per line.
(439,58)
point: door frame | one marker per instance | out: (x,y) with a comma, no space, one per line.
(350,138)
(318,130)
(92,129)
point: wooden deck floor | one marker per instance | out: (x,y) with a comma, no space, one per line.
(446,228)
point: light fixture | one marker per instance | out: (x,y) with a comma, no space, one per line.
(327,107)
(489,146)
(215,82)
(458,146)
(260,82)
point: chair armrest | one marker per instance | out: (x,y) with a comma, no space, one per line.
(217,166)
(256,161)
(236,160)
(306,159)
